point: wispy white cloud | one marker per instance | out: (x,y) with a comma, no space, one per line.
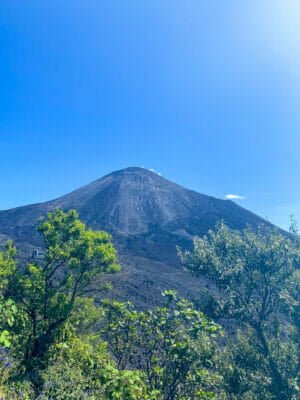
(234,197)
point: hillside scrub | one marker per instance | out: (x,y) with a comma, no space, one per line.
(257,274)
(58,343)
(48,328)
(174,345)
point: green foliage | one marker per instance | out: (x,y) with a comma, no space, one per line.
(50,346)
(88,373)
(8,309)
(173,345)
(50,324)
(254,272)
(45,293)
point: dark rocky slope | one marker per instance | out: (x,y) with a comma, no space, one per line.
(148,217)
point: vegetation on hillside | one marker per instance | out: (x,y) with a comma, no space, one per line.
(57,342)
(257,277)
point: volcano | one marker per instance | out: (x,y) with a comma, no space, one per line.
(148,217)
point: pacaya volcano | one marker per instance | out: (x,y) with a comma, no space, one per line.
(148,216)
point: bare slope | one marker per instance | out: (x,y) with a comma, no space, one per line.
(147,216)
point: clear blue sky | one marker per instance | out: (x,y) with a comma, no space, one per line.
(205,92)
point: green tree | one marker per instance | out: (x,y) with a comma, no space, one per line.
(8,313)
(252,271)
(7,307)
(174,345)
(89,374)
(46,292)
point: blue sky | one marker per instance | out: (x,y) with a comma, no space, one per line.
(205,92)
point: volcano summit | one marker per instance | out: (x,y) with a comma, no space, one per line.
(148,216)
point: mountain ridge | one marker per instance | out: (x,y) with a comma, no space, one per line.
(147,216)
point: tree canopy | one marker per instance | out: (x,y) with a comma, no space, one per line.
(57,342)
(257,278)
(45,291)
